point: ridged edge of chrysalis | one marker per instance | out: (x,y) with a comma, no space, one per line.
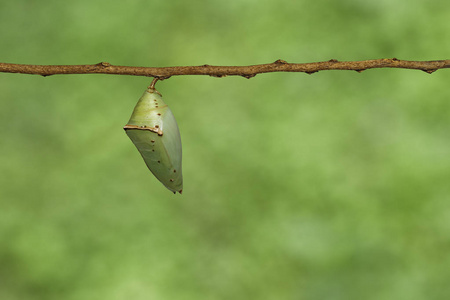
(154,131)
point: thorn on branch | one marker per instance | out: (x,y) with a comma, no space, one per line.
(248,76)
(333,60)
(218,75)
(430,71)
(311,72)
(360,71)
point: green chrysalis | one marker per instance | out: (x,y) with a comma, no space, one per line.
(154,131)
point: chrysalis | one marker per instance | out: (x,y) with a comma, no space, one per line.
(153,130)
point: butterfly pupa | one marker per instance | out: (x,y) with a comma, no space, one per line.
(154,131)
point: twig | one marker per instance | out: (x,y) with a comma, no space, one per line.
(221,71)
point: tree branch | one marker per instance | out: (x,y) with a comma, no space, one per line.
(221,71)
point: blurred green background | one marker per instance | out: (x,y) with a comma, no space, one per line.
(326,186)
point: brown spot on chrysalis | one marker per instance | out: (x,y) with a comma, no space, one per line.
(159,161)
(153,150)
(152,141)
(158,114)
(156,126)
(171,180)
(180,191)
(174,171)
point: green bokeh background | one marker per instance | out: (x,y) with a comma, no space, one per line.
(326,186)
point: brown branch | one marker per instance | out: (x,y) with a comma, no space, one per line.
(221,71)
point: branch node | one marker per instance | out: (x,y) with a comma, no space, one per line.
(395,59)
(280,62)
(248,76)
(311,72)
(333,60)
(218,75)
(103,64)
(430,71)
(360,71)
